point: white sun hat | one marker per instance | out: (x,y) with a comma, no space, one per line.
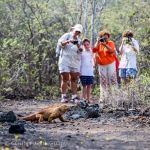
(78,27)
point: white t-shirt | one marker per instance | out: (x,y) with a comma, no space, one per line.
(70,55)
(128,58)
(87,64)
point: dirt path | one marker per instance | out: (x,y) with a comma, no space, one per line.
(81,134)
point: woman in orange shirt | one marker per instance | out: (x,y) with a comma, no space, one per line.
(105,52)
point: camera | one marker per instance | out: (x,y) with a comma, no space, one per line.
(75,42)
(128,40)
(102,39)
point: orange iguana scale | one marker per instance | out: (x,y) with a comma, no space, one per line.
(48,114)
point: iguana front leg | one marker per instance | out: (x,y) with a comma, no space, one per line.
(50,118)
(39,117)
(62,119)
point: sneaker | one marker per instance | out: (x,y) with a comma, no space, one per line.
(64,100)
(75,100)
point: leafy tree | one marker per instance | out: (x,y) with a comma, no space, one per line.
(30,30)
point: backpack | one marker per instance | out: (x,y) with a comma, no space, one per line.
(58,47)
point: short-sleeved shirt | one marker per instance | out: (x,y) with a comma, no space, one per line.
(104,57)
(69,55)
(87,64)
(128,58)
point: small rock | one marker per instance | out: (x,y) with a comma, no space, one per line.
(93,111)
(82,104)
(17,128)
(7,116)
(133,112)
(69,136)
(146,112)
(83,110)
(62,124)
(76,116)
(119,114)
(20,122)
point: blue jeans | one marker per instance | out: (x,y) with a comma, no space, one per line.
(127,72)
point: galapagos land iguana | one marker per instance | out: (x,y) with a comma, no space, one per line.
(48,114)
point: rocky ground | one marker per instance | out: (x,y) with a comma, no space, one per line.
(112,129)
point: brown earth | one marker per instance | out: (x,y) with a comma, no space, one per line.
(108,133)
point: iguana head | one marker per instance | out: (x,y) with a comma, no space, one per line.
(63,108)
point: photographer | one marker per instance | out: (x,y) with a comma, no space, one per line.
(128,49)
(69,61)
(105,51)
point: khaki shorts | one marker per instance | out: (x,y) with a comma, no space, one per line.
(63,68)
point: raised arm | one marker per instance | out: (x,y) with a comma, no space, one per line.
(96,47)
(110,48)
(135,46)
(121,46)
(64,40)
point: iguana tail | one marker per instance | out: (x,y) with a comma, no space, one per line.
(31,117)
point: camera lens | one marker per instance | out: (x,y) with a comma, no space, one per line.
(101,40)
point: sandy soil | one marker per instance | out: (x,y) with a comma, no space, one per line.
(83,134)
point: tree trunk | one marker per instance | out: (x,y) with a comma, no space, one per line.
(92,22)
(85,18)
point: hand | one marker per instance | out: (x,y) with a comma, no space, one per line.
(78,46)
(123,40)
(80,49)
(68,41)
(64,43)
(97,40)
(103,43)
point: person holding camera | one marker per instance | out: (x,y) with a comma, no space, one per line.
(128,49)
(105,52)
(69,61)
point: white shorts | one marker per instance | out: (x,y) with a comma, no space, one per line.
(63,68)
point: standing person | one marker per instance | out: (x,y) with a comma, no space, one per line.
(87,71)
(117,67)
(69,61)
(105,51)
(128,49)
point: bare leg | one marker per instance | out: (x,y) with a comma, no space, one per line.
(88,93)
(64,80)
(74,78)
(84,91)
